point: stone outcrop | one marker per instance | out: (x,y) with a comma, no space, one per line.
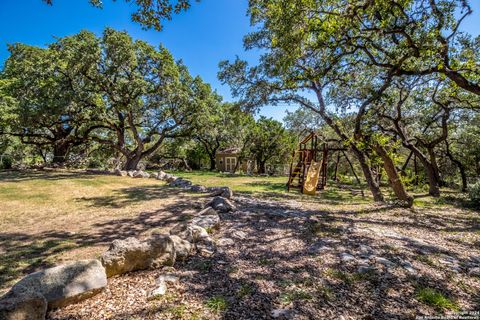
(191,233)
(207,211)
(132,254)
(161,288)
(161,175)
(198,188)
(65,284)
(170,178)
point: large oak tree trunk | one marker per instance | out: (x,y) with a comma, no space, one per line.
(460,166)
(433,182)
(60,152)
(261,167)
(432,174)
(213,163)
(433,161)
(393,177)
(132,162)
(367,172)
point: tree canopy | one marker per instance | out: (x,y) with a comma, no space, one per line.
(112,90)
(149,13)
(342,59)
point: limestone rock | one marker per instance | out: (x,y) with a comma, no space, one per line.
(365,251)
(159,291)
(207,211)
(196,234)
(65,284)
(132,254)
(198,188)
(408,266)
(190,232)
(141,174)
(387,263)
(224,192)
(161,175)
(239,234)
(169,178)
(281,313)
(209,221)
(130,173)
(365,268)
(167,278)
(180,183)
(225,242)
(182,247)
(24,304)
(120,173)
(221,204)
(345,257)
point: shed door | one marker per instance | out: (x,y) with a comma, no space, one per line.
(230,163)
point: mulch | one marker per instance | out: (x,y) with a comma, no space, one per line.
(285,259)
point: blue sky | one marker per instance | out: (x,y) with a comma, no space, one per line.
(209,32)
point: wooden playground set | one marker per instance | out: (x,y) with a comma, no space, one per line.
(309,166)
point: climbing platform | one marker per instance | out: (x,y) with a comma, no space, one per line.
(308,170)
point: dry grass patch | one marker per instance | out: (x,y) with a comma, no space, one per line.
(51,217)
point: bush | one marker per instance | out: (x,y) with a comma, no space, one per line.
(6,162)
(474,193)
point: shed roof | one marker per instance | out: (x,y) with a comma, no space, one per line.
(232,150)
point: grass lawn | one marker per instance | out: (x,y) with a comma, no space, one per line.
(240,183)
(274,187)
(50,217)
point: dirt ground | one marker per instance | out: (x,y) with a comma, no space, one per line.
(312,259)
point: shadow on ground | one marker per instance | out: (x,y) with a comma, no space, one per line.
(288,258)
(22,253)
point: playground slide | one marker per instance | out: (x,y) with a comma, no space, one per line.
(311,180)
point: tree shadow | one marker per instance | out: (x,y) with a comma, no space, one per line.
(281,263)
(22,253)
(127,196)
(31,175)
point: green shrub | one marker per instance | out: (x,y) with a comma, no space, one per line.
(6,162)
(474,193)
(95,163)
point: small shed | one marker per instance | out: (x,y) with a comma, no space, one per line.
(227,160)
